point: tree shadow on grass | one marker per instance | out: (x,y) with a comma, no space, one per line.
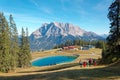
(107,73)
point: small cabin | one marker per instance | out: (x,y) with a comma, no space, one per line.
(69,48)
(87,47)
(65,48)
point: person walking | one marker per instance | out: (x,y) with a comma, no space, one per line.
(80,62)
(84,63)
(90,62)
(94,62)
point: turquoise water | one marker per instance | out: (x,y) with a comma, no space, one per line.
(53,60)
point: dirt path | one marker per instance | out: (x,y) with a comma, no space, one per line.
(72,73)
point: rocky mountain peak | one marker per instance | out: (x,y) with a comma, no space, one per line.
(51,34)
(56,28)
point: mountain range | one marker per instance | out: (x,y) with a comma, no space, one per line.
(54,33)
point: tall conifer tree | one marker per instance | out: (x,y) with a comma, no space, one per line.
(24,55)
(21,56)
(113,40)
(11,54)
(4,44)
(14,47)
(27,46)
(114,37)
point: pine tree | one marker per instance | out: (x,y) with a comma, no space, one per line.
(76,42)
(68,43)
(4,44)
(113,40)
(14,47)
(21,56)
(27,46)
(10,54)
(24,54)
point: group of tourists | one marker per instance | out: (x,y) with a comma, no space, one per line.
(87,63)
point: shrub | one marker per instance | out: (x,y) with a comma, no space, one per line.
(114,59)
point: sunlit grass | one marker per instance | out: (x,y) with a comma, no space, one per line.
(66,71)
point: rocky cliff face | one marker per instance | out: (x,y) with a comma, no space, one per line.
(49,35)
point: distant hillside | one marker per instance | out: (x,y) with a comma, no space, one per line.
(51,34)
(104,35)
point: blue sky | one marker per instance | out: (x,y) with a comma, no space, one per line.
(90,15)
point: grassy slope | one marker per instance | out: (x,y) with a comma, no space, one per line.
(73,73)
(70,71)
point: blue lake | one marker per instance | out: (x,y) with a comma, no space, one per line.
(53,60)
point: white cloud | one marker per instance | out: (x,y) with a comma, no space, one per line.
(35,3)
(47,10)
(40,7)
